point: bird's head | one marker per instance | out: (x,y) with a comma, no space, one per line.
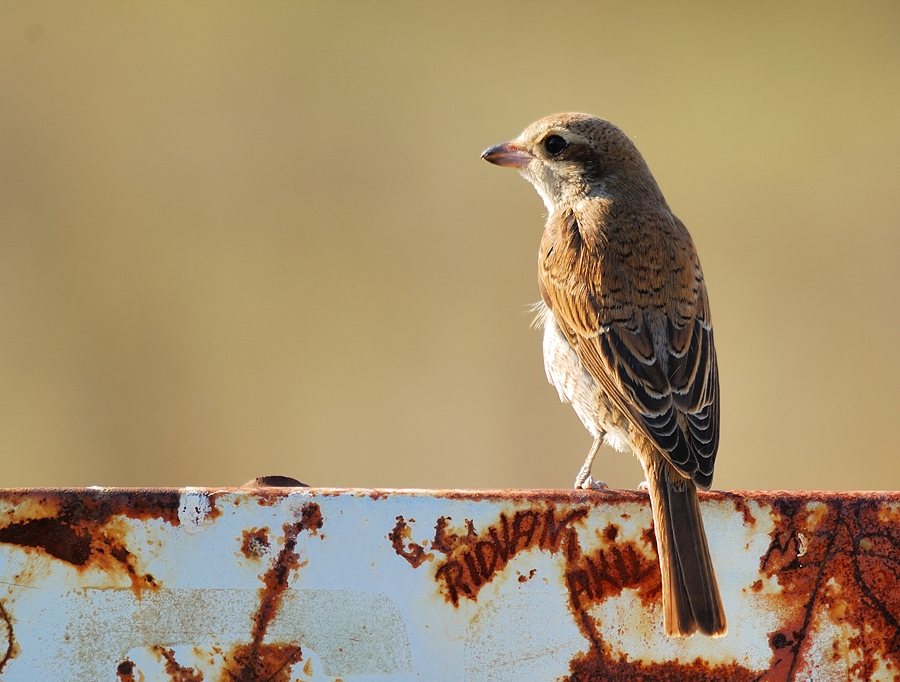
(569,157)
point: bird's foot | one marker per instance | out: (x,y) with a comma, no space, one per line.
(643,485)
(590,484)
(584,480)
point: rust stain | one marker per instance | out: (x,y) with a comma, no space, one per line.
(840,560)
(214,512)
(741,506)
(269,497)
(255,662)
(176,672)
(57,537)
(611,532)
(593,666)
(273,661)
(11,646)
(256,543)
(529,576)
(413,552)
(265,498)
(125,671)
(84,531)
(311,518)
(444,540)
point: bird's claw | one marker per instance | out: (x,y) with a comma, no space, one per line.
(590,484)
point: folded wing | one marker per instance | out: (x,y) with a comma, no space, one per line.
(643,332)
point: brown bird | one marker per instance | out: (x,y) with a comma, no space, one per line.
(627,335)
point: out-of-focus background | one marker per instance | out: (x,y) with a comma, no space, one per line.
(246,238)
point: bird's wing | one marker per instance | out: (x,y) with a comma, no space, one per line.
(641,327)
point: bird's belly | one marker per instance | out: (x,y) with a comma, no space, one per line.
(576,385)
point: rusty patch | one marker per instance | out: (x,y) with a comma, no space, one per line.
(256,543)
(125,671)
(840,560)
(741,506)
(81,530)
(526,578)
(176,672)
(11,647)
(213,512)
(311,518)
(444,540)
(57,537)
(413,552)
(255,660)
(269,497)
(592,667)
(611,532)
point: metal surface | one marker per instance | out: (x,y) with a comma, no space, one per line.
(361,585)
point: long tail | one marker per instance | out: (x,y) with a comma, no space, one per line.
(690,593)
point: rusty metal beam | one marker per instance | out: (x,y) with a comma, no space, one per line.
(287,584)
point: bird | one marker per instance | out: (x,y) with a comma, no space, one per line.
(627,335)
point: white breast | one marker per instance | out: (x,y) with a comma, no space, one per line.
(575,384)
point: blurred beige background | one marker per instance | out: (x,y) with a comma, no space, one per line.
(255,238)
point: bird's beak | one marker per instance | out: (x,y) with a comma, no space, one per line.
(507,154)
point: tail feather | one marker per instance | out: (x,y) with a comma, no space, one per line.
(691,599)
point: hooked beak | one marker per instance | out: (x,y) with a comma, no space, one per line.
(507,155)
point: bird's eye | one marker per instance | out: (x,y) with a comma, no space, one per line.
(554,144)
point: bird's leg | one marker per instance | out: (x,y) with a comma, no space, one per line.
(584,480)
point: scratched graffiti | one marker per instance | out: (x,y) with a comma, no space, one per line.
(474,558)
(838,561)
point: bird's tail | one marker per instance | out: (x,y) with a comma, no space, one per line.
(690,594)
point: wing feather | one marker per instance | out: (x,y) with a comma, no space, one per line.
(642,330)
